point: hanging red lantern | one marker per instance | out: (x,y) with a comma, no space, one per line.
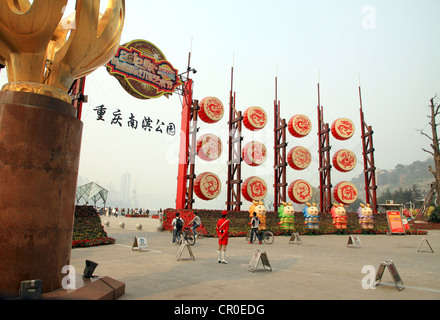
(207,186)
(254,188)
(299,126)
(344,160)
(342,129)
(299,158)
(211,110)
(209,147)
(254,118)
(345,193)
(254,153)
(300,191)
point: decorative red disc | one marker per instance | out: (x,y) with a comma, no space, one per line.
(211,110)
(254,188)
(254,118)
(342,129)
(345,192)
(344,160)
(299,126)
(300,191)
(209,147)
(254,153)
(207,186)
(299,158)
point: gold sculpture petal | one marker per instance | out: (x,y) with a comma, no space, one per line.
(90,45)
(45,55)
(25,31)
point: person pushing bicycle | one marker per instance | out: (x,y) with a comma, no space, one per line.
(255,225)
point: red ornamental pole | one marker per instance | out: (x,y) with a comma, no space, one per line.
(184,144)
(77,93)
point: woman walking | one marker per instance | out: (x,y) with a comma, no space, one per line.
(222,232)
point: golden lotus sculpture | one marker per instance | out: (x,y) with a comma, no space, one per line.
(44,53)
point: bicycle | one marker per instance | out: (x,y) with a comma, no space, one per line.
(187,236)
(266,236)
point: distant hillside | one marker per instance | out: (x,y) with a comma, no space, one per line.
(401,177)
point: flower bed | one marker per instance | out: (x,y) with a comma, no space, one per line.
(239,223)
(87,228)
(424,225)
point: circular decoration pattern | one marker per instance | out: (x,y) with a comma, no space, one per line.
(344,160)
(254,153)
(209,147)
(254,188)
(299,126)
(254,118)
(299,158)
(207,186)
(345,193)
(342,129)
(211,110)
(300,191)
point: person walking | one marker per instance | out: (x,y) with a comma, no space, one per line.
(177,227)
(222,229)
(255,224)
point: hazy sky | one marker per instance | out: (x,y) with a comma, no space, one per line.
(389,47)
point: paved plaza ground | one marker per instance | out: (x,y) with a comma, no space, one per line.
(321,268)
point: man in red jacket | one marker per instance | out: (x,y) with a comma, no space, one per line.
(222,232)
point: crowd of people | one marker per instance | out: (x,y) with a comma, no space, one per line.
(222,230)
(109,211)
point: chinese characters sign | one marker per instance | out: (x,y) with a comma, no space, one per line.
(143,71)
(395,222)
(146,123)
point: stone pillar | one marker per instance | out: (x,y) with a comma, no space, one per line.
(40,142)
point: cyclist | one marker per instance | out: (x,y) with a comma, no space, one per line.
(196,222)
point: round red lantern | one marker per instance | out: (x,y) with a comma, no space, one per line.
(207,186)
(300,191)
(209,147)
(345,193)
(342,129)
(344,160)
(299,126)
(254,153)
(299,158)
(254,188)
(211,110)
(254,118)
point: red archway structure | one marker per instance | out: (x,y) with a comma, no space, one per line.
(369,166)
(233,200)
(280,162)
(325,186)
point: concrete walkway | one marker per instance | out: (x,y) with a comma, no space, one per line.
(322,267)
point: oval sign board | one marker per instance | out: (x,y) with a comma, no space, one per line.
(143,71)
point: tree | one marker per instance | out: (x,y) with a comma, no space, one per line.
(435,153)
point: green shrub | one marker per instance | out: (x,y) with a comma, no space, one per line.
(434,215)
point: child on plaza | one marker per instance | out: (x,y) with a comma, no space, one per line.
(255,224)
(222,232)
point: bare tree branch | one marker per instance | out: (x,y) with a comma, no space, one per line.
(428,151)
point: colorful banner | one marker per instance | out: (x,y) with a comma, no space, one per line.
(143,71)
